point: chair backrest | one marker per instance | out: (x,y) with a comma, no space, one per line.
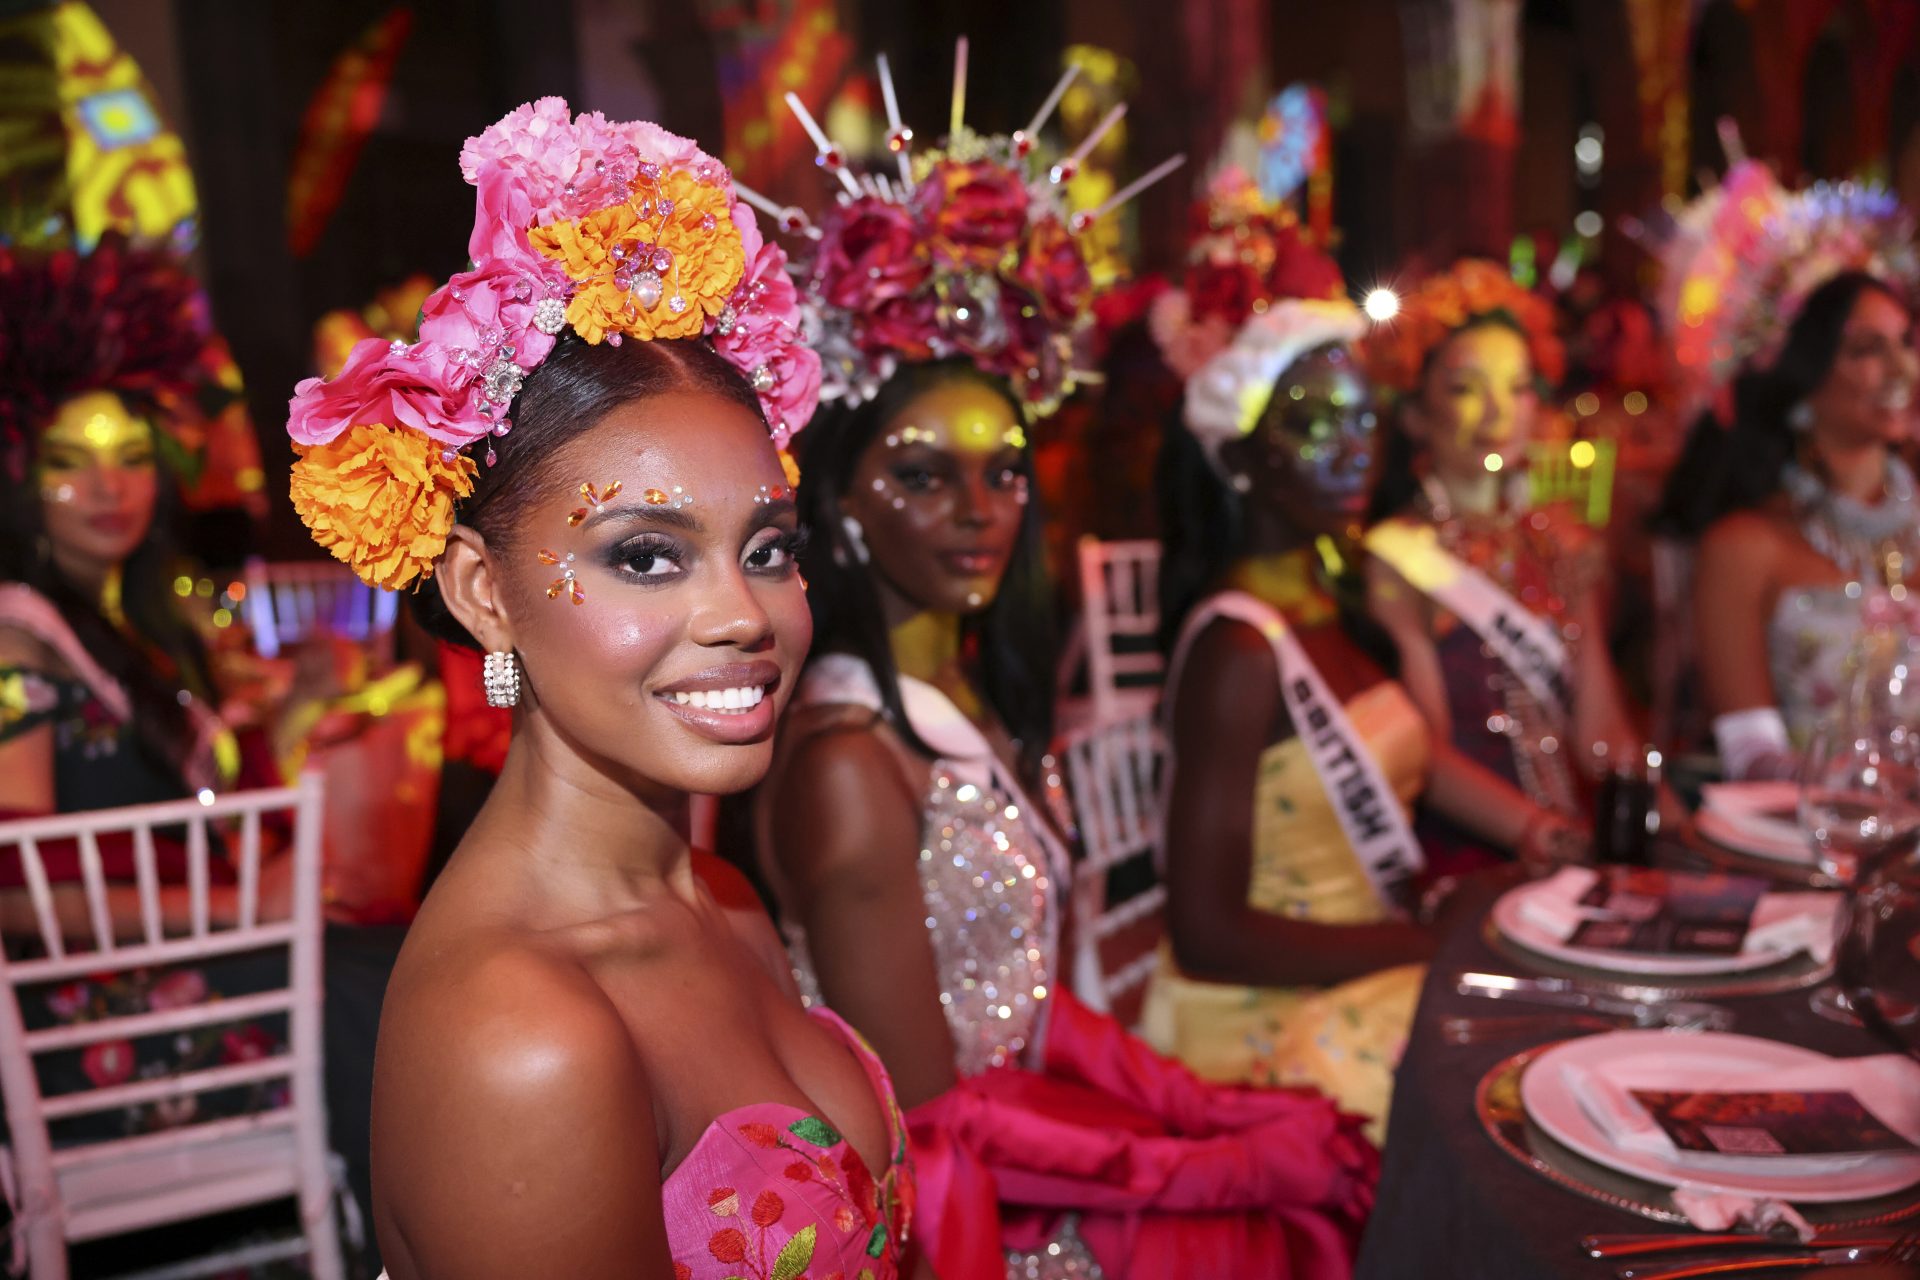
(1120,602)
(233,822)
(1579,474)
(290,600)
(1114,774)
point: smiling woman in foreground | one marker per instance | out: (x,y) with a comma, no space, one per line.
(546,1095)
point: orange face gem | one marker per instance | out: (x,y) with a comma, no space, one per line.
(566,583)
(595,500)
(654,498)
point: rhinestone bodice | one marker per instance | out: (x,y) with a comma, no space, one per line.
(984,878)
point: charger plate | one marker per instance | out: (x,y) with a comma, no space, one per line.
(1504,1120)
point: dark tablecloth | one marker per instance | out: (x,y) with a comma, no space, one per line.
(1451,1203)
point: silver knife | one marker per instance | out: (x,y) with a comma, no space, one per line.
(1653,1009)
(1762,1262)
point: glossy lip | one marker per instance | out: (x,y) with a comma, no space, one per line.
(972,564)
(111,522)
(735,728)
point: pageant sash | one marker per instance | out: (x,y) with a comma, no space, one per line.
(1369,811)
(1527,644)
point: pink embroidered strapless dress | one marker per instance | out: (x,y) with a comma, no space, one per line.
(772,1192)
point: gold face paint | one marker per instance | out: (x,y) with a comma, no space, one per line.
(94,430)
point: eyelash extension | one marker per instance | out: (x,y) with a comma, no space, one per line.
(796,542)
(646,545)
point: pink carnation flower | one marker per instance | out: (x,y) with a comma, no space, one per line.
(412,388)
(539,165)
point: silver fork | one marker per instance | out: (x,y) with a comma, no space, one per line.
(1905,1249)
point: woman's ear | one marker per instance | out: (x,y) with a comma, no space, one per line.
(472,591)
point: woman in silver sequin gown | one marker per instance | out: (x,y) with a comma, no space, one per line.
(922,888)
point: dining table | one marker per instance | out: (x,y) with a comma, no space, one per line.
(1451,1201)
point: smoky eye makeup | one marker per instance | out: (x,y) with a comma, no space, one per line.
(650,557)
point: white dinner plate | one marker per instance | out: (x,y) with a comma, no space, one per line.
(1514,925)
(1756,818)
(1552,1104)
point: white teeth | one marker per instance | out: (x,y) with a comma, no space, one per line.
(745,698)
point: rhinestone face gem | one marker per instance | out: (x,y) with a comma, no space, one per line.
(502,381)
(647,289)
(550,316)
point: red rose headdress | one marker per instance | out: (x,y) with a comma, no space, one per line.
(970,250)
(1245,251)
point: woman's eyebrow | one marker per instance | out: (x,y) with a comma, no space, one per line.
(630,512)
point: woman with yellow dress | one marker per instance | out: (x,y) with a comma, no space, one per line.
(1291,868)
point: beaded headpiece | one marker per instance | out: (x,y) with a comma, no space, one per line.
(122,318)
(1741,259)
(613,230)
(1245,250)
(968,249)
(1472,290)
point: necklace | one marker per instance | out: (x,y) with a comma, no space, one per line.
(1878,544)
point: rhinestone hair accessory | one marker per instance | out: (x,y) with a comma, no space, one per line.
(1739,261)
(1226,397)
(614,230)
(965,249)
(1473,289)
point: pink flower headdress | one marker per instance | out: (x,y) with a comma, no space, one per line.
(1739,260)
(614,230)
(970,250)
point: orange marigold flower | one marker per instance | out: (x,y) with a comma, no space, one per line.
(790,468)
(708,260)
(1396,352)
(381,500)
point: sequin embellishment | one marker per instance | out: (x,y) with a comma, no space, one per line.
(984,877)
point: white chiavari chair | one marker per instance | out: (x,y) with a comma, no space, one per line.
(1113,776)
(1120,608)
(84,1189)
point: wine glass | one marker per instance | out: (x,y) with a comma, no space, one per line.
(1860,808)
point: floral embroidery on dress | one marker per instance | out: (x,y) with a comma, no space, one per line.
(784,1196)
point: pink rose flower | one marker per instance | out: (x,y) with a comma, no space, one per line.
(537,165)
(870,252)
(972,213)
(414,388)
(479,310)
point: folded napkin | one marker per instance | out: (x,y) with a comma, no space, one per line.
(1888,1085)
(1783,923)
(1760,817)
